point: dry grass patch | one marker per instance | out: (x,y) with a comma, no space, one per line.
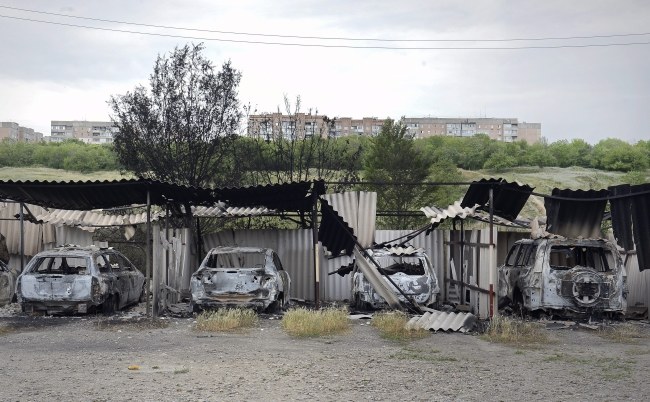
(623,333)
(392,325)
(302,322)
(515,332)
(4,330)
(229,319)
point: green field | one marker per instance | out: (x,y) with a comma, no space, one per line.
(39,173)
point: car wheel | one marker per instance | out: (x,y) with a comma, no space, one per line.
(518,308)
(195,308)
(277,306)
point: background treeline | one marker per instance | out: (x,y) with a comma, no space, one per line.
(471,153)
(69,155)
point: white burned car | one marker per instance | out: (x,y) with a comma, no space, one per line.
(409,268)
(564,276)
(240,277)
(74,279)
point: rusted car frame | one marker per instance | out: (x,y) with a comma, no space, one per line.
(565,276)
(246,277)
(410,269)
(75,279)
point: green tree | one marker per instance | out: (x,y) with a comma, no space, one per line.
(183,128)
(393,158)
(618,155)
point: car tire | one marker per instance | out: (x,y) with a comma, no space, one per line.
(143,295)
(195,308)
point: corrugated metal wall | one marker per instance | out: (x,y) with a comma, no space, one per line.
(638,283)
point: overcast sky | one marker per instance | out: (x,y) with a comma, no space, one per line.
(61,72)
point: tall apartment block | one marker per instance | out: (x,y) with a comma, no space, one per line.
(90,132)
(303,125)
(16,132)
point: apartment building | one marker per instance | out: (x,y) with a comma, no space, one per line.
(500,129)
(16,132)
(304,125)
(301,125)
(90,132)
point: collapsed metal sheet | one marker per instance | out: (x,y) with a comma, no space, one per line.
(375,278)
(575,213)
(508,198)
(443,321)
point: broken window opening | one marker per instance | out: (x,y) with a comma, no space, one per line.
(568,257)
(391,265)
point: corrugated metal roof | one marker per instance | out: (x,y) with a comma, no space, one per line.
(455,210)
(86,195)
(282,197)
(358,209)
(334,233)
(579,217)
(443,321)
(509,198)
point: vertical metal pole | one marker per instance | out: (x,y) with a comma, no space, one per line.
(166,278)
(148,248)
(314,229)
(22,238)
(494,311)
(462,261)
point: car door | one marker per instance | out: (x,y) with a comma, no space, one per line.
(135,281)
(284,277)
(122,283)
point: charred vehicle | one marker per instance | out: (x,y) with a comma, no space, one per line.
(240,277)
(569,277)
(409,268)
(7,282)
(75,279)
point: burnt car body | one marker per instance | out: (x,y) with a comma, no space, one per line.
(245,277)
(75,279)
(7,284)
(410,269)
(565,276)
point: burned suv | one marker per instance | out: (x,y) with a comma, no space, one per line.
(564,276)
(75,279)
(240,277)
(409,268)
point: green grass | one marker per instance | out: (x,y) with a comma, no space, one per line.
(623,333)
(42,173)
(301,322)
(229,319)
(609,368)
(431,355)
(515,332)
(392,325)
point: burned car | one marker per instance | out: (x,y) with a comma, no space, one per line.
(568,277)
(409,268)
(7,282)
(74,279)
(240,277)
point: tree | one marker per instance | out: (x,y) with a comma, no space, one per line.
(183,128)
(299,148)
(616,154)
(393,158)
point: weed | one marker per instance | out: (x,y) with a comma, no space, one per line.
(229,319)
(392,325)
(301,322)
(624,333)
(5,330)
(182,370)
(514,332)
(155,367)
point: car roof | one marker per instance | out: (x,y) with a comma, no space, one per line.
(233,249)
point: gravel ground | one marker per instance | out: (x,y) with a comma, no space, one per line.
(87,358)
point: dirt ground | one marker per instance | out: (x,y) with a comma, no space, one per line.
(87,358)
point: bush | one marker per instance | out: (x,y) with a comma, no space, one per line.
(392,325)
(229,319)
(511,331)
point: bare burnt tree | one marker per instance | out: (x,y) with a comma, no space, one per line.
(183,129)
(299,147)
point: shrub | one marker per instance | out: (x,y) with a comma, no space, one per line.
(392,325)
(229,319)
(302,322)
